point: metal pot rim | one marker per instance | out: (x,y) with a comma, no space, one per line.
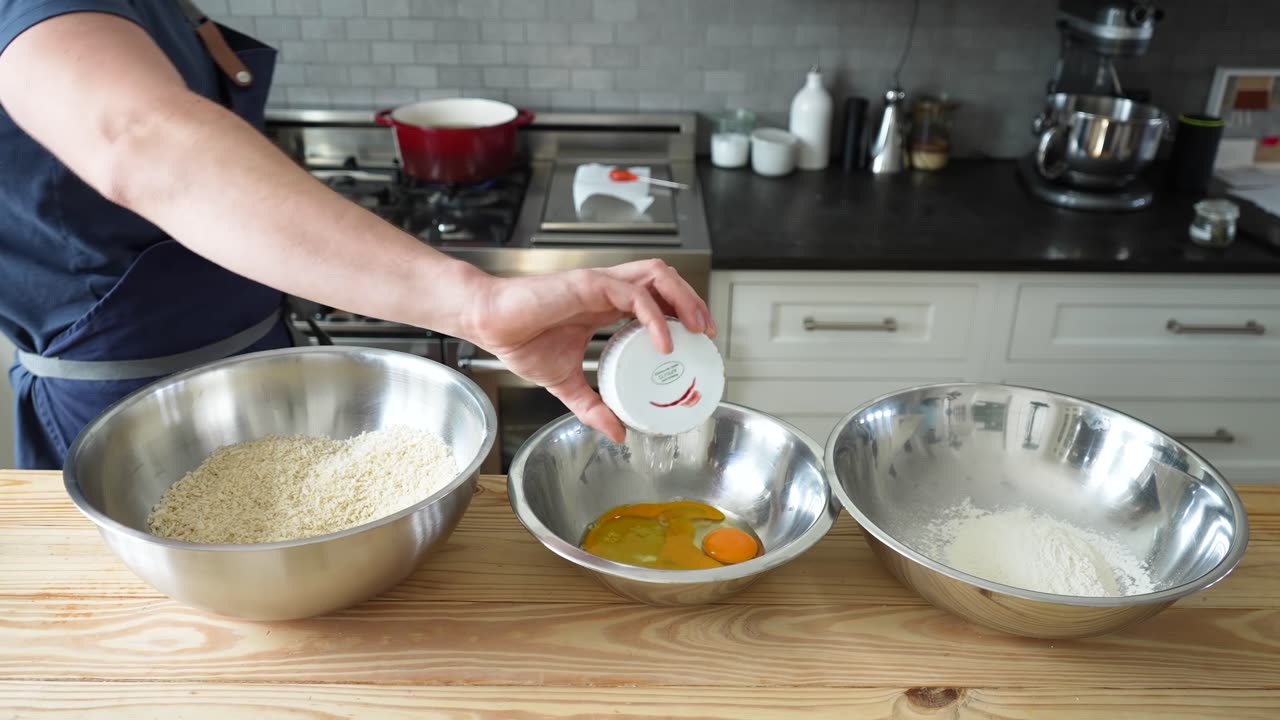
(1239,541)
(576,555)
(1158,116)
(104,522)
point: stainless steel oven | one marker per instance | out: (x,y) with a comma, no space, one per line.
(524,223)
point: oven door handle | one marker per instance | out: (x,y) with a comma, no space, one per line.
(496,365)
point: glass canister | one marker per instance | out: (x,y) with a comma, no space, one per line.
(1215,223)
(731,139)
(929,145)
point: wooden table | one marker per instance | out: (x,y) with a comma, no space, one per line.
(496,626)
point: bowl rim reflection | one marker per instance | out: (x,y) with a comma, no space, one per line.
(1239,540)
(769,560)
(106,522)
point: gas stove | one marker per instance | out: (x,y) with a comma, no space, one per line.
(479,215)
(525,221)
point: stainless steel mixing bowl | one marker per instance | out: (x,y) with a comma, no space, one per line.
(899,462)
(1096,141)
(124,460)
(758,469)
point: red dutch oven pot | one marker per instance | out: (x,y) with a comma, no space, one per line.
(455,140)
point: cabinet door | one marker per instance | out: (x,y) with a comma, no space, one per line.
(1117,323)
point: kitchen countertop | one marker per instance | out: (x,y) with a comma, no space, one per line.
(975,215)
(497,626)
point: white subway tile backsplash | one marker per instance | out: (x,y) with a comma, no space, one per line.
(323,28)
(615,10)
(436,53)
(289,8)
(993,55)
(413,30)
(582,79)
(524,9)
(501,31)
(591,33)
(528,55)
(392,52)
(505,77)
(342,8)
(368,29)
(372,75)
(416,76)
(482,54)
(387,8)
(546,32)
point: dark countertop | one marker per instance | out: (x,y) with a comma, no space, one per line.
(974,215)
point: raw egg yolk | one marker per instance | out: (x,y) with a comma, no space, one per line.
(730,545)
(655,535)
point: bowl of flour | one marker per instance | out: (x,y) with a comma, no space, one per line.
(1031,512)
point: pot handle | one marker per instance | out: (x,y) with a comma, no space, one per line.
(523,117)
(1051,135)
(383,117)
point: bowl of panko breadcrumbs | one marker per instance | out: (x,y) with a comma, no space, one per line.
(284,484)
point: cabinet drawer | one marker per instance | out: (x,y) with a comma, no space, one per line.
(1239,437)
(853,321)
(1169,324)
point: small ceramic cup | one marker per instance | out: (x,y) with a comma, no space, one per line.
(773,152)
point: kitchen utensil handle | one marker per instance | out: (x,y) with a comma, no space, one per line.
(524,117)
(887,325)
(1052,133)
(665,183)
(496,365)
(1221,435)
(1251,327)
(383,117)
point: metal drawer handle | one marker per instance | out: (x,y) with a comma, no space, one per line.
(886,325)
(1221,435)
(1251,327)
(495,365)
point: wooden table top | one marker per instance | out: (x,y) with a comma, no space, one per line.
(496,626)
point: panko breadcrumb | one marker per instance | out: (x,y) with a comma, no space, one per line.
(280,488)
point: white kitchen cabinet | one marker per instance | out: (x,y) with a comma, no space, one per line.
(811,346)
(1098,322)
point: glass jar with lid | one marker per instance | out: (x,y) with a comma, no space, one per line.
(1215,223)
(930,140)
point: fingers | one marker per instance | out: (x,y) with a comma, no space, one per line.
(586,404)
(671,290)
(637,300)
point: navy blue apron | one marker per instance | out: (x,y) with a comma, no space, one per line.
(170,306)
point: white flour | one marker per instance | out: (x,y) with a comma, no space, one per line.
(1034,551)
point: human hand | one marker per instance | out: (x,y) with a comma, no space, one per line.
(539,326)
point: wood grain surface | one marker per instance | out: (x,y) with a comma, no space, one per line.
(495,626)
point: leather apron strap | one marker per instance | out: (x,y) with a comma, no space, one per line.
(106,370)
(223,56)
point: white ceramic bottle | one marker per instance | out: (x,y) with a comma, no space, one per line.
(811,122)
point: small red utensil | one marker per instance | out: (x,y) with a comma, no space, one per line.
(624,175)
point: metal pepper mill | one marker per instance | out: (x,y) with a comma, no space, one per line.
(889,152)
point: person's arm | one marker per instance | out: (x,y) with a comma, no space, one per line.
(102,97)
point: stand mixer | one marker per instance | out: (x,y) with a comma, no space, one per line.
(1093,140)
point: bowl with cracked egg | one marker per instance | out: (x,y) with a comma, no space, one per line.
(684,519)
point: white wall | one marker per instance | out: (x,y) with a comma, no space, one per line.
(6,404)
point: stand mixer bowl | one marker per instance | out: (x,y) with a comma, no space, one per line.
(1096,141)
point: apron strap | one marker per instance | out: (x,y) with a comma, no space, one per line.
(223,56)
(106,370)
